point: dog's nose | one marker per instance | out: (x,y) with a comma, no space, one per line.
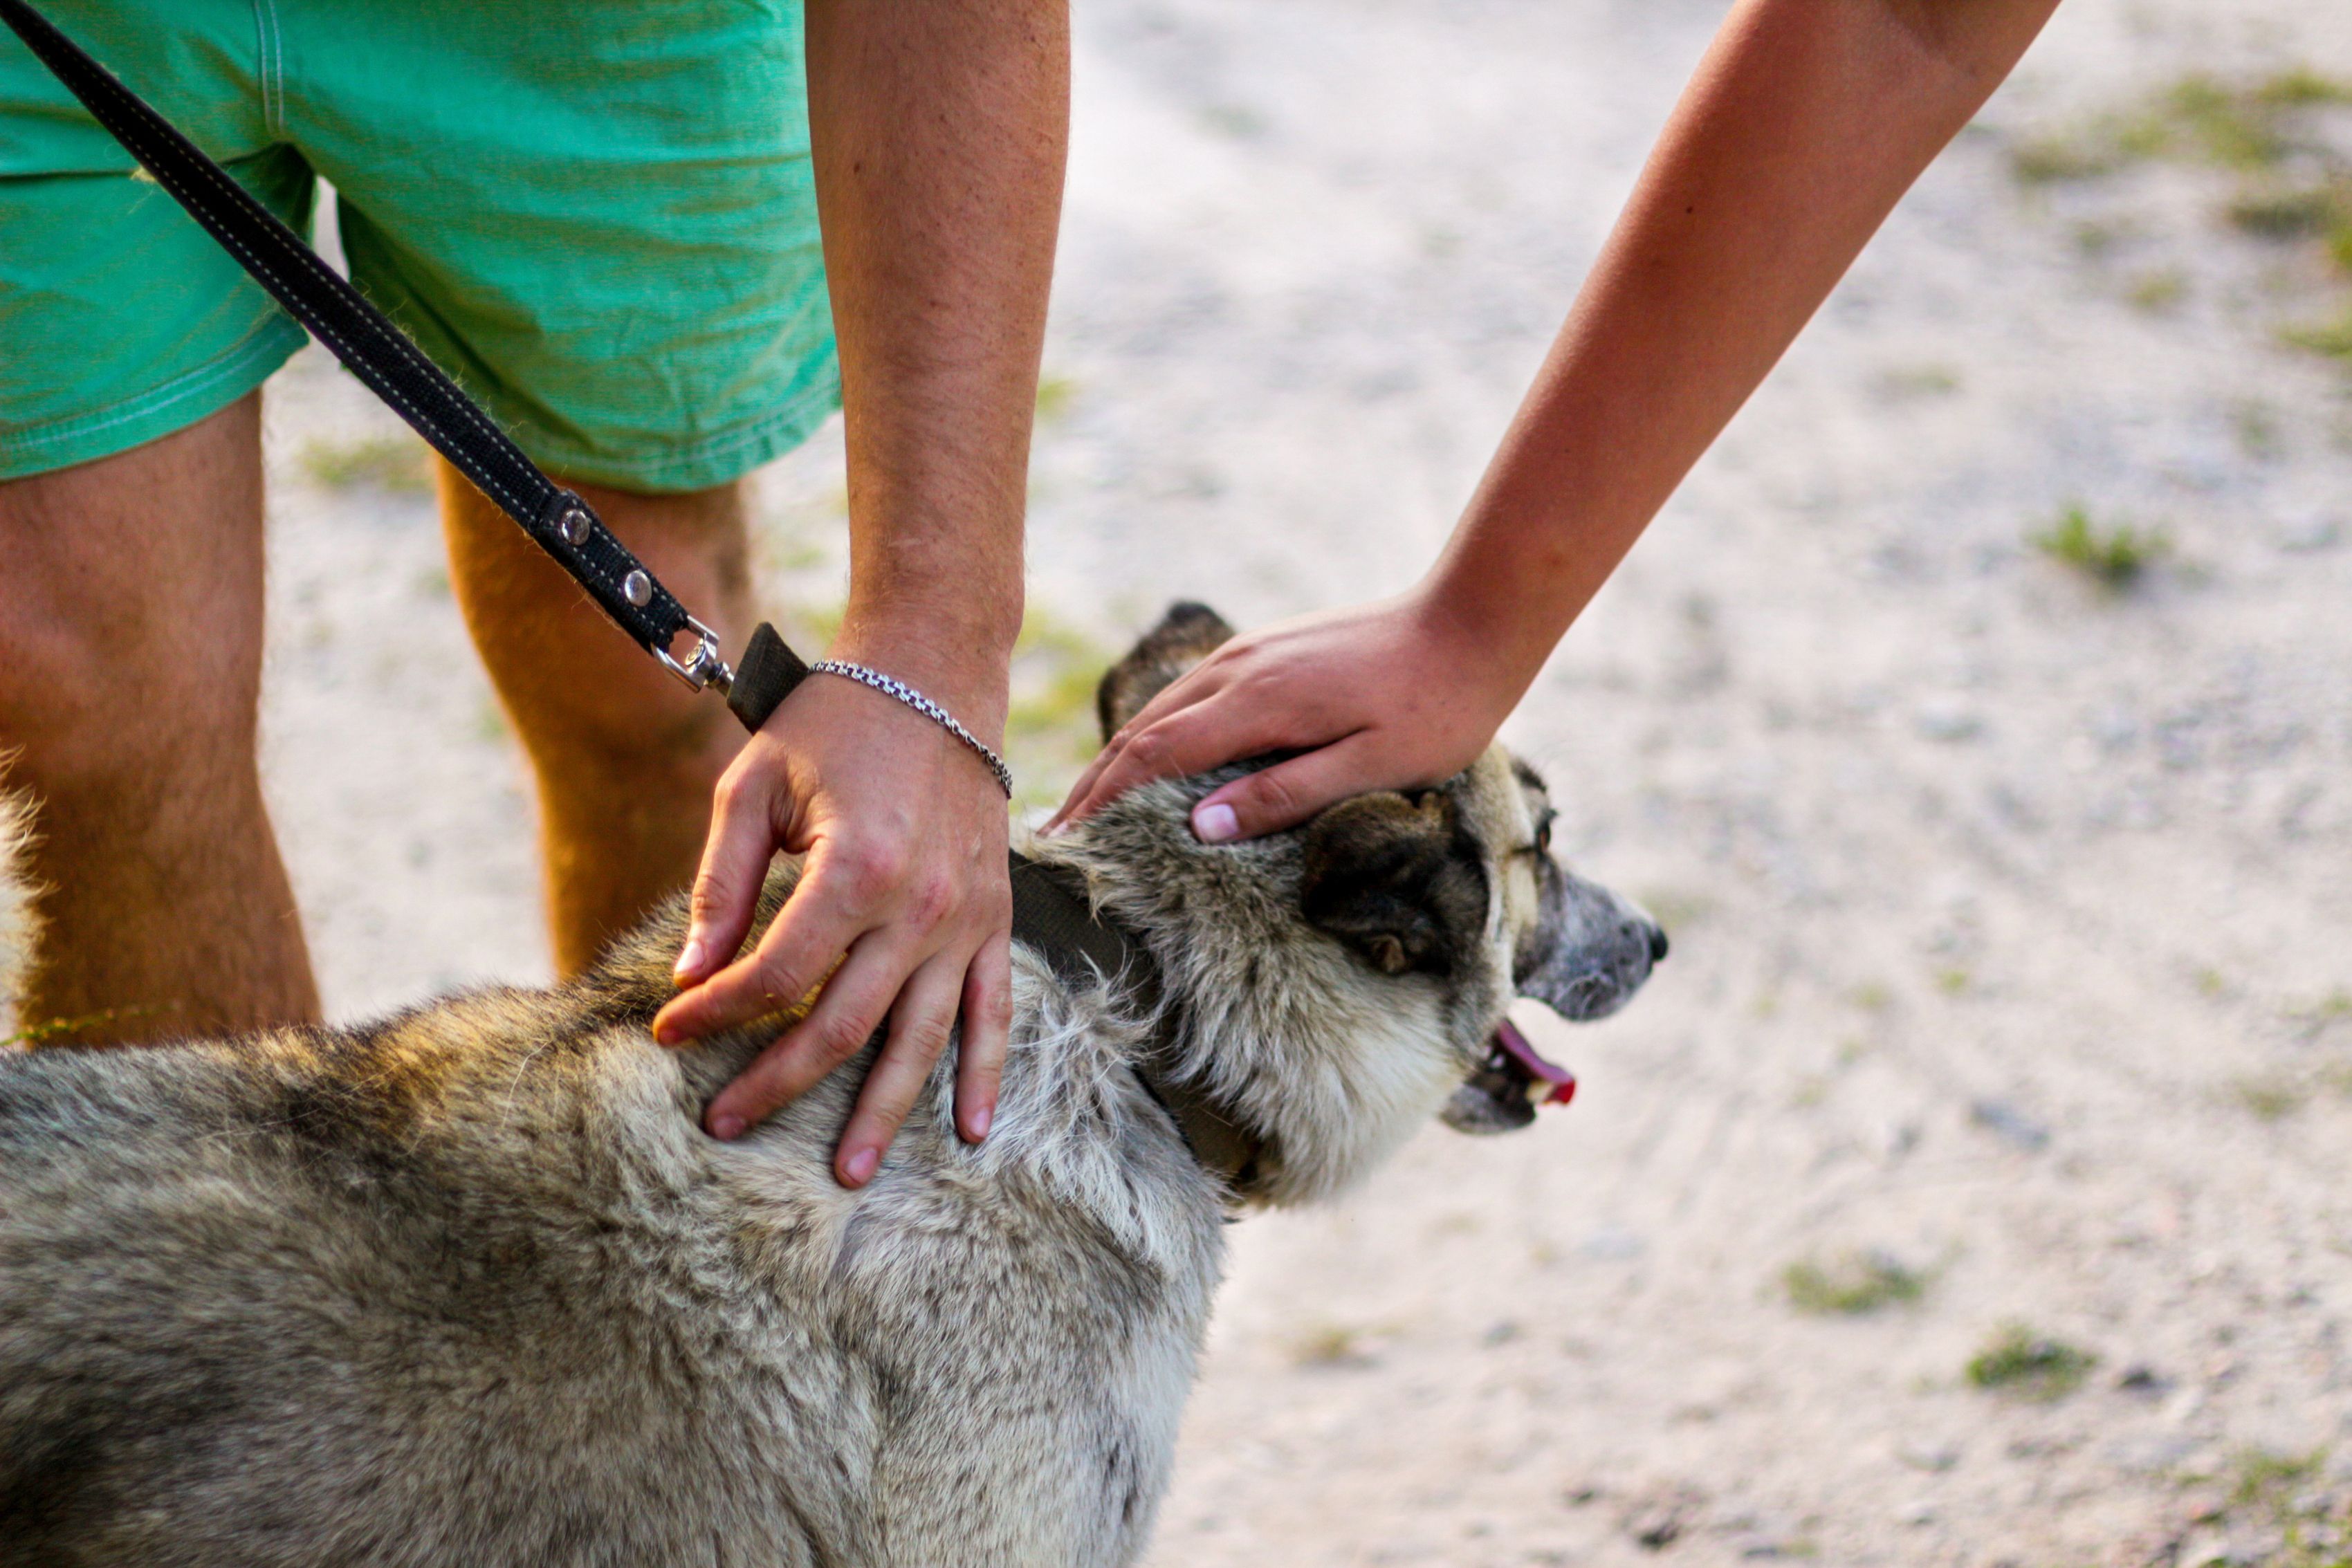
(1657,943)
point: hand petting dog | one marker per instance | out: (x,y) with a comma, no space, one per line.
(903,913)
(1356,692)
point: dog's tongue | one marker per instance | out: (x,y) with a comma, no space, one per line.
(1515,1045)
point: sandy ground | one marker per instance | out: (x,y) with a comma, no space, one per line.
(2012,915)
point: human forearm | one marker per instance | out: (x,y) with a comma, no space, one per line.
(939,132)
(1802,127)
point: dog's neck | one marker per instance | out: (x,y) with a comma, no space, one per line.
(1054,915)
(1269,1019)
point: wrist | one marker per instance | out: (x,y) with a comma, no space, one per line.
(1488,637)
(959,656)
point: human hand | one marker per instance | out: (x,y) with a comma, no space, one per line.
(904,888)
(1376,696)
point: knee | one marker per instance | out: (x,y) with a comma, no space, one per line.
(87,697)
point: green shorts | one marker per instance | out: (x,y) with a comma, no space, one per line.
(598,216)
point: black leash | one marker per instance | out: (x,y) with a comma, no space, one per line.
(1046,916)
(566,526)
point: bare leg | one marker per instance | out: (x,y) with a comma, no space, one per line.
(627,757)
(129,672)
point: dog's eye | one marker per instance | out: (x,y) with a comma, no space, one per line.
(1543,834)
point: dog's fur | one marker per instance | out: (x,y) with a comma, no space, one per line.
(468,1287)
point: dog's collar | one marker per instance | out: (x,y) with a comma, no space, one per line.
(1053,914)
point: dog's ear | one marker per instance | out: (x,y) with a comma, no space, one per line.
(1187,634)
(1398,880)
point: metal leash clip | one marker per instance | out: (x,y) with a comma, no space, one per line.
(703,667)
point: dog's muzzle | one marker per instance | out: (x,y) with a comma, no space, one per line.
(1593,951)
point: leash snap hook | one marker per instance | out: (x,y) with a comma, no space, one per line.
(704,667)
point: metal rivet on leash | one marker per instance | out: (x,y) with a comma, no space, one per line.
(637,588)
(573,525)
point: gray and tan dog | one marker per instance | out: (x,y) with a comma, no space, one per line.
(468,1287)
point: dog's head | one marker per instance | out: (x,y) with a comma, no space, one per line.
(1351,976)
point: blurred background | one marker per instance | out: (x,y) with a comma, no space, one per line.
(1974,1184)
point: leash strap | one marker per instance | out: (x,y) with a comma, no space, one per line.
(376,351)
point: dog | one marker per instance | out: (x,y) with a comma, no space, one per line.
(468,1286)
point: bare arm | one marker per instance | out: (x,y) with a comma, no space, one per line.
(939,132)
(1804,124)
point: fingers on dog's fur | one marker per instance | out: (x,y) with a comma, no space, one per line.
(1187,634)
(17,920)
(847,1011)
(921,1023)
(1288,793)
(987,1032)
(826,913)
(1399,880)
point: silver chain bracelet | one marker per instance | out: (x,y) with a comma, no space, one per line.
(921,705)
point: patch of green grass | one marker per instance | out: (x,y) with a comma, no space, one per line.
(2290,211)
(2056,156)
(1921,381)
(1050,730)
(1329,1345)
(1055,395)
(400,464)
(2256,427)
(2269,1098)
(2315,1017)
(2018,1362)
(2287,1496)
(2260,1476)
(1872,996)
(2245,126)
(2158,291)
(1852,1286)
(2095,239)
(2235,127)
(2333,338)
(2300,87)
(2113,555)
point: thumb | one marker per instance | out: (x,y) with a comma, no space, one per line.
(727,888)
(1287,794)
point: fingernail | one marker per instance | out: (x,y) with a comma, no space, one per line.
(727,1129)
(979,1120)
(690,961)
(1215,823)
(666,1032)
(858,1168)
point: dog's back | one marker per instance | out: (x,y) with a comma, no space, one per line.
(469,1286)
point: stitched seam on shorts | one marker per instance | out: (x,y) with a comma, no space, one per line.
(255,344)
(271,62)
(805,413)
